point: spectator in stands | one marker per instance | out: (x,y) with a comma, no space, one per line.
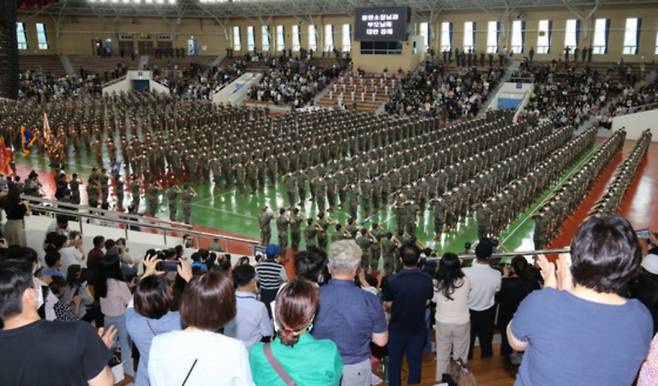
(252,322)
(65,310)
(270,275)
(301,357)
(309,265)
(578,330)
(76,284)
(113,294)
(152,313)
(517,283)
(350,316)
(53,264)
(95,256)
(16,210)
(485,282)
(649,371)
(453,325)
(198,353)
(215,246)
(644,287)
(407,295)
(35,342)
(72,252)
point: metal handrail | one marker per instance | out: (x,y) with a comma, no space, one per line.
(119,220)
(102,211)
(634,109)
(514,253)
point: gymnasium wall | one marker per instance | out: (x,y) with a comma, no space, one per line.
(74,35)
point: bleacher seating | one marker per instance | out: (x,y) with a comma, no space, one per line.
(186,61)
(45,63)
(98,65)
(367,93)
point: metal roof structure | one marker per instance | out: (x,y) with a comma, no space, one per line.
(224,9)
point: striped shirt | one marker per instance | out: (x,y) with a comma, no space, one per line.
(270,275)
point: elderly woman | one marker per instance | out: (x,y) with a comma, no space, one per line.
(578,330)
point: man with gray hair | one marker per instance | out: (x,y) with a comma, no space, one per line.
(350,316)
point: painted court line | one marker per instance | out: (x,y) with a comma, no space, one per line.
(553,190)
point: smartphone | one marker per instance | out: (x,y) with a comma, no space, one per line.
(167,265)
(642,233)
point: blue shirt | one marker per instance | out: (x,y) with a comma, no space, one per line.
(576,342)
(349,316)
(409,290)
(251,322)
(142,330)
(51,272)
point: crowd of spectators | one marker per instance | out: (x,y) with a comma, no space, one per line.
(431,90)
(326,326)
(630,101)
(196,81)
(570,94)
(293,81)
(46,86)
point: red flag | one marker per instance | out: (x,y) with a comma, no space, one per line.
(5,157)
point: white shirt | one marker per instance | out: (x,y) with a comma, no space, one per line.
(485,282)
(221,361)
(70,256)
(453,311)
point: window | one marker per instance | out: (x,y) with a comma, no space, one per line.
(347,37)
(425,34)
(601,32)
(518,36)
(42,37)
(251,40)
(492,37)
(265,37)
(296,43)
(328,37)
(280,39)
(631,36)
(236,38)
(571,34)
(656,43)
(469,36)
(544,37)
(446,36)
(20,36)
(312,38)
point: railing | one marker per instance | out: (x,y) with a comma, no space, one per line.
(125,219)
(105,212)
(514,253)
(648,106)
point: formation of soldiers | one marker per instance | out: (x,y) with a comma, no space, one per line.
(375,242)
(570,194)
(622,179)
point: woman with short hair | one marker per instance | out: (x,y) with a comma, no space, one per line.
(578,330)
(297,354)
(199,355)
(453,321)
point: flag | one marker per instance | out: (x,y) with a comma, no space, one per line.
(5,157)
(116,168)
(27,139)
(46,129)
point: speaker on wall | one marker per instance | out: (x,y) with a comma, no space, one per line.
(8,51)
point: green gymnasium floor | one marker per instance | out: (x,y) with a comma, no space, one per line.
(229,211)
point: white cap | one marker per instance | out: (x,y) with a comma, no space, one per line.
(650,263)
